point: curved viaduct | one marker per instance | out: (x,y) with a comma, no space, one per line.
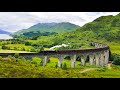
(98,56)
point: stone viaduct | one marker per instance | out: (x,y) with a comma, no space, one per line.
(98,56)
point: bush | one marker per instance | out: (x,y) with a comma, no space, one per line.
(41,63)
(56,65)
(21,57)
(0,57)
(116,62)
(9,56)
(6,59)
(34,62)
(32,50)
(16,55)
(116,59)
(12,58)
(48,61)
(4,47)
(64,66)
(17,60)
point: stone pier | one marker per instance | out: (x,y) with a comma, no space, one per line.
(60,59)
(106,56)
(83,59)
(102,59)
(45,60)
(73,59)
(91,59)
(97,58)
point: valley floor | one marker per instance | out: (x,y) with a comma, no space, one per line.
(13,51)
(32,69)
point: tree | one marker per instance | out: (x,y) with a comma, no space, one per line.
(64,66)
(116,59)
(4,47)
(27,43)
(48,61)
(56,65)
(41,63)
(42,48)
(32,50)
(16,55)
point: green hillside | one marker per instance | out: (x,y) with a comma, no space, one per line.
(44,28)
(105,29)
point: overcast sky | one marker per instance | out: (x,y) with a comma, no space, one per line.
(14,21)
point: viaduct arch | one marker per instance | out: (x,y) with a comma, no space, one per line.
(98,56)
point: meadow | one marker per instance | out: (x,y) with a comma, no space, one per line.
(11,67)
(13,51)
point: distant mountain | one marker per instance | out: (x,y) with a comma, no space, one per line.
(49,27)
(105,29)
(4,32)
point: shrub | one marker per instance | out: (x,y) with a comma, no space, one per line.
(34,62)
(116,62)
(48,61)
(4,47)
(32,50)
(64,66)
(12,58)
(41,63)
(16,55)
(9,56)
(6,59)
(17,60)
(20,57)
(0,57)
(116,59)
(56,65)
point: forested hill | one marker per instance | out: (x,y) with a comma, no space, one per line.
(48,27)
(105,29)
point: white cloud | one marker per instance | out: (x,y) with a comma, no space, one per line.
(5,36)
(13,21)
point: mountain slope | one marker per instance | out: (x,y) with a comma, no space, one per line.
(49,27)
(4,32)
(105,29)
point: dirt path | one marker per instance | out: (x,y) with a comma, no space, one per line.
(89,69)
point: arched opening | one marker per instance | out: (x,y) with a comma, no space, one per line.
(78,61)
(67,57)
(52,62)
(37,61)
(87,59)
(66,63)
(94,61)
(78,58)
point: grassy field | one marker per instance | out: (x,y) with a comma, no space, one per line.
(32,69)
(13,51)
(19,47)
